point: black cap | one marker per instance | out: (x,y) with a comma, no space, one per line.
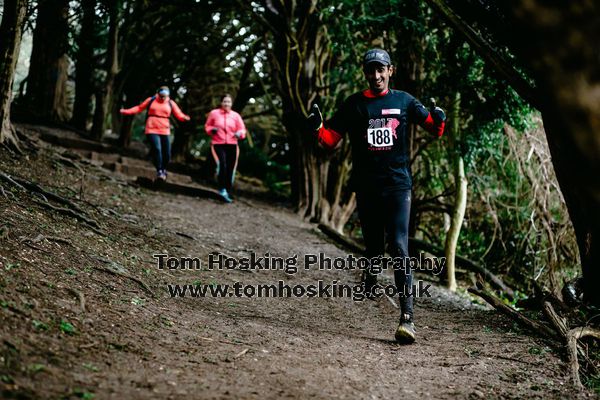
(377,55)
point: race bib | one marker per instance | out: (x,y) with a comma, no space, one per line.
(380,137)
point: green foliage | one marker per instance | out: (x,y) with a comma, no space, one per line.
(538,351)
(138,301)
(593,382)
(39,326)
(66,327)
(274,174)
(83,394)
(10,266)
(35,368)
(518,296)
(90,367)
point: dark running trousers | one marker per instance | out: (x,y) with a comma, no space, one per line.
(388,213)
(161,150)
(226,157)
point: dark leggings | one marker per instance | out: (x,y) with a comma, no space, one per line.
(226,156)
(388,213)
(161,150)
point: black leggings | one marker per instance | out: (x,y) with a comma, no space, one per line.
(382,213)
(226,156)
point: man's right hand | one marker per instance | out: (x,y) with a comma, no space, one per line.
(315,119)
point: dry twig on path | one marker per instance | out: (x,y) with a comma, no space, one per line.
(93,224)
(124,275)
(79,296)
(530,324)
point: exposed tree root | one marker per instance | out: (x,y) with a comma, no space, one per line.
(124,275)
(423,246)
(12,146)
(10,180)
(70,163)
(4,193)
(73,209)
(59,240)
(33,187)
(559,330)
(530,324)
(71,213)
(467,264)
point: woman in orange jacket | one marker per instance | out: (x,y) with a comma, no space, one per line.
(158,127)
(225,127)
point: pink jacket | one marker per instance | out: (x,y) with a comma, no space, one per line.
(158,115)
(227,124)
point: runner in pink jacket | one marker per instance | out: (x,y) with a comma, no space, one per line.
(158,127)
(225,127)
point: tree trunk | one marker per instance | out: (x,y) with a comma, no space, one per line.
(84,68)
(565,69)
(301,58)
(99,115)
(46,85)
(10,32)
(583,204)
(299,175)
(121,123)
(460,197)
(247,89)
(104,97)
(560,51)
(125,131)
(182,143)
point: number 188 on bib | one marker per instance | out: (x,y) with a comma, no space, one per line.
(380,137)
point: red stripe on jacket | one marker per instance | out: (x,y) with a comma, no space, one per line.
(328,137)
(431,127)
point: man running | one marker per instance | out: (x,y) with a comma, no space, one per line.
(376,121)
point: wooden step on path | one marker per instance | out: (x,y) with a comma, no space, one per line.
(132,162)
(132,167)
(69,139)
(144,171)
(145,175)
(191,189)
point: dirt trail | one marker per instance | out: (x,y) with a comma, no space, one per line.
(126,344)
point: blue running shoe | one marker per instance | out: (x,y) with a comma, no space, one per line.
(223,193)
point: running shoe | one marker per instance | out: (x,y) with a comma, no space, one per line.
(161,175)
(223,193)
(405,333)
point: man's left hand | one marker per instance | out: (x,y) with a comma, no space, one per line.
(438,115)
